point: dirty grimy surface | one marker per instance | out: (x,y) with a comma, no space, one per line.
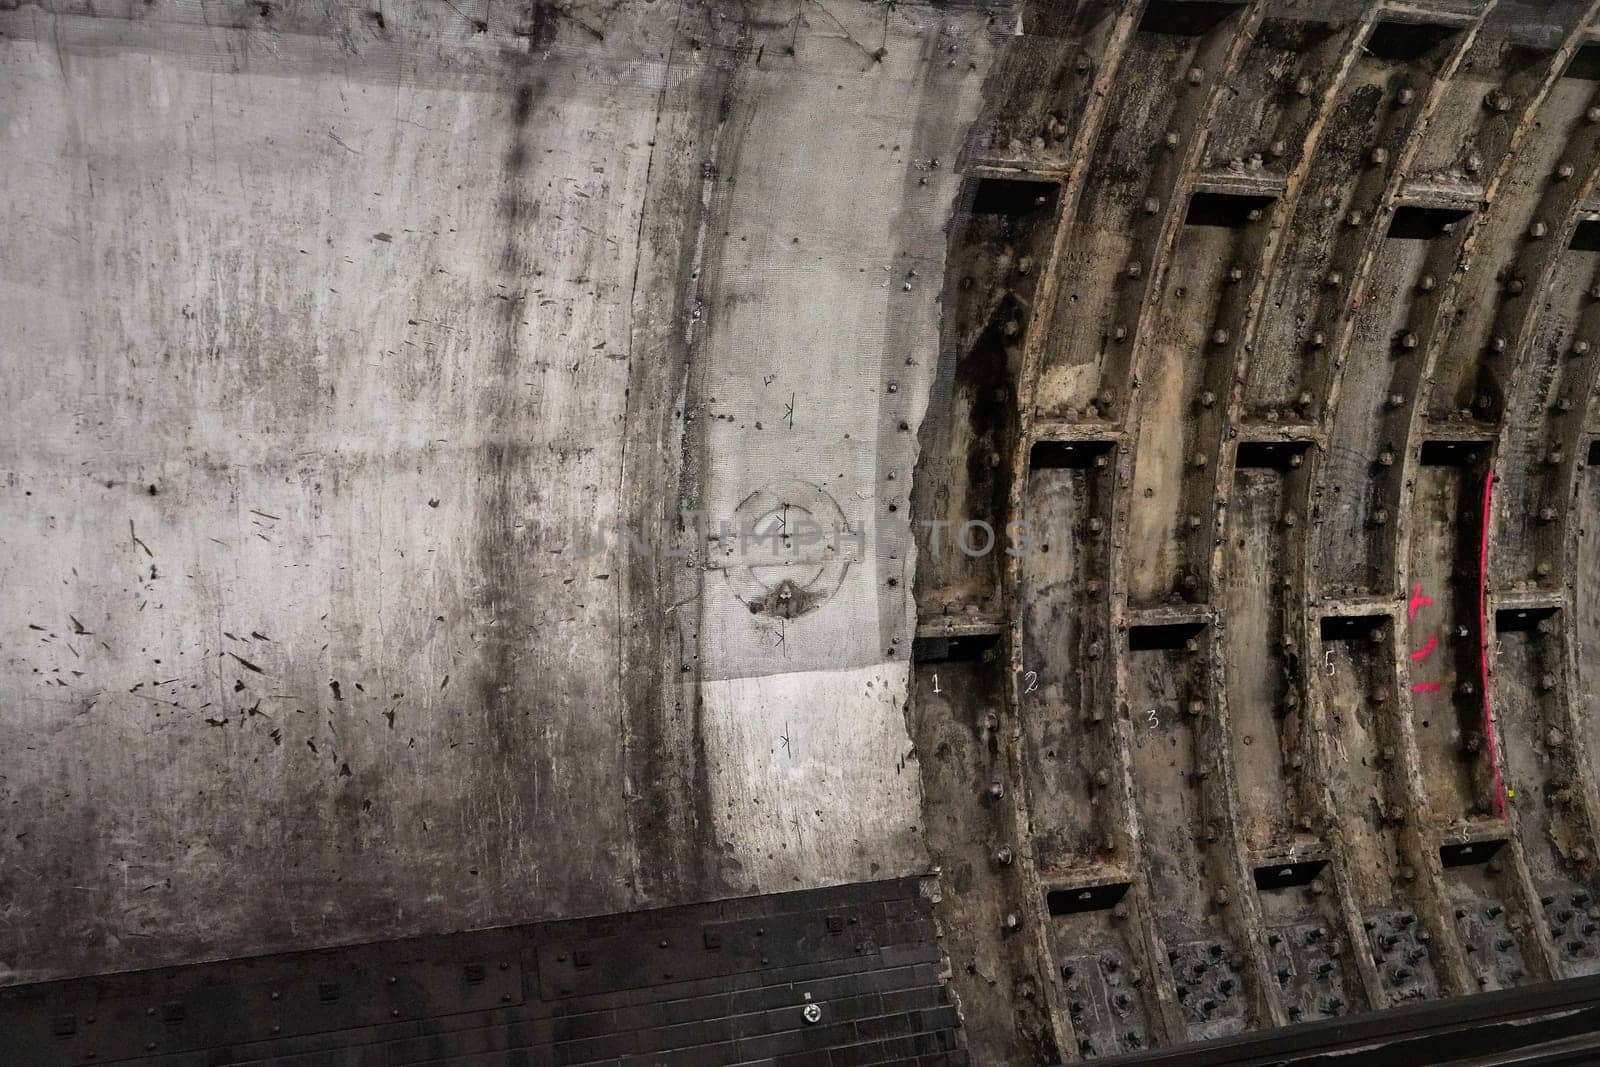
(327,330)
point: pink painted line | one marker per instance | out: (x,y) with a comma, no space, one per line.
(1425,687)
(1483,646)
(1426,650)
(1417,601)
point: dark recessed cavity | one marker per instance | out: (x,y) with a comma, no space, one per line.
(1085,898)
(1276,455)
(966,648)
(1469,853)
(1585,64)
(1586,238)
(1185,18)
(1227,210)
(1068,455)
(1013,196)
(1288,875)
(1425,223)
(1406,42)
(1593,458)
(1352,627)
(1163,635)
(1521,620)
(1451,453)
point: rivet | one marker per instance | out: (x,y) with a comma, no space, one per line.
(1219,337)
(1515,286)
(1253,215)
(1302,86)
(1564,171)
(1547,514)
(1290,518)
(1222,897)
(1580,348)
(1276,149)
(1408,340)
(1102,778)
(1199,460)
(1120,333)
(1380,517)
(1303,401)
(1473,163)
(996,790)
(1405,96)
(1134,269)
(1497,344)
(1003,856)
(1427,284)
(1379,156)
(1197,707)
(893,388)
(1335,279)
(1548,682)
(1592,114)
(1538,230)
(1564,404)
(1497,101)
(1193,521)
(1235,274)
(1396,400)
(1356,219)
(1171,140)
(1555,457)
(1152,206)
(1386,458)
(1318,339)
(1297,459)
(1196,75)
(1012,923)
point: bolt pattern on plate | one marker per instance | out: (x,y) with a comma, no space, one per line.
(1493,955)
(1574,921)
(1401,953)
(1106,1003)
(1206,975)
(1308,965)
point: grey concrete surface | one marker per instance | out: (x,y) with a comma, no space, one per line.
(328,326)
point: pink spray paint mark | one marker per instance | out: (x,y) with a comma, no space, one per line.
(1483,646)
(1425,687)
(1417,601)
(1425,651)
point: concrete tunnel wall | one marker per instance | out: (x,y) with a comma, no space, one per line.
(327,326)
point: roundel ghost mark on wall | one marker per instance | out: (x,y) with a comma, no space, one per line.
(788,549)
